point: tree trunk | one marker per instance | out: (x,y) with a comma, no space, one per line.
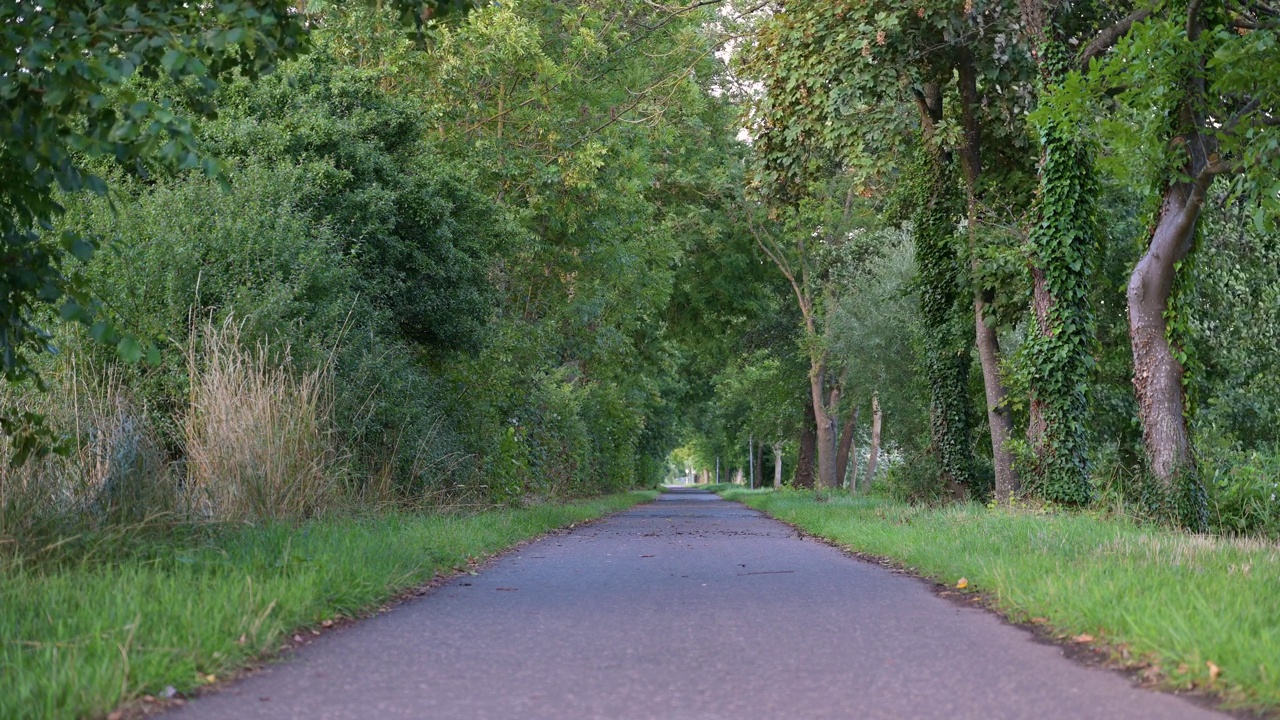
(842,454)
(988,343)
(758,473)
(1157,373)
(777,466)
(997,414)
(825,427)
(1001,425)
(808,448)
(875,441)
(942,306)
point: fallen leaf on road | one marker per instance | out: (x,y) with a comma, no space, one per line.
(326,623)
(1083,638)
(1039,620)
(1214,670)
(962,583)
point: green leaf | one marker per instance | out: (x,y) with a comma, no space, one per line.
(129,349)
(173,59)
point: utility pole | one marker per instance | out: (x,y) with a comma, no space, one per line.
(751,463)
(717,469)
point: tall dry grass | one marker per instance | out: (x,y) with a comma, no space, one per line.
(259,439)
(112,469)
(258,443)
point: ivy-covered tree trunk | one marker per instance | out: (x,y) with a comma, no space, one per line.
(1061,248)
(1062,245)
(934,206)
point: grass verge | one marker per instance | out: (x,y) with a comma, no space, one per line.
(1194,612)
(80,638)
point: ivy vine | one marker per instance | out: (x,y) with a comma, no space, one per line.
(1062,247)
(931,198)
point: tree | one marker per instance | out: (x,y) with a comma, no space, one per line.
(877,330)
(1195,97)
(817,249)
(862,87)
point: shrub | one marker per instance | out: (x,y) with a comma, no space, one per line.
(188,248)
(1244,491)
(915,479)
(111,467)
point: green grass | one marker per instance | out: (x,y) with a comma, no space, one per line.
(79,638)
(1151,596)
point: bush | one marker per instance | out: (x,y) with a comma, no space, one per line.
(1244,491)
(188,251)
(915,479)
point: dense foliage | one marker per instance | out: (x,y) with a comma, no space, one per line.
(530,250)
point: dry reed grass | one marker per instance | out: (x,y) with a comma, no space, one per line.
(259,444)
(259,439)
(114,467)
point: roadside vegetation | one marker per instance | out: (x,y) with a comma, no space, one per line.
(276,265)
(300,307)
(152,609)
(1184,610)
(996,260)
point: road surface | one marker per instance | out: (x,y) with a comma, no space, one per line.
(686,608)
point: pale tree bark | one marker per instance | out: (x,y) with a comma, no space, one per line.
(758,481)
(777,466)
(875,442)
(842,453)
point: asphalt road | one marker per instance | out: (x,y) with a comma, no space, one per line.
(686,608)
